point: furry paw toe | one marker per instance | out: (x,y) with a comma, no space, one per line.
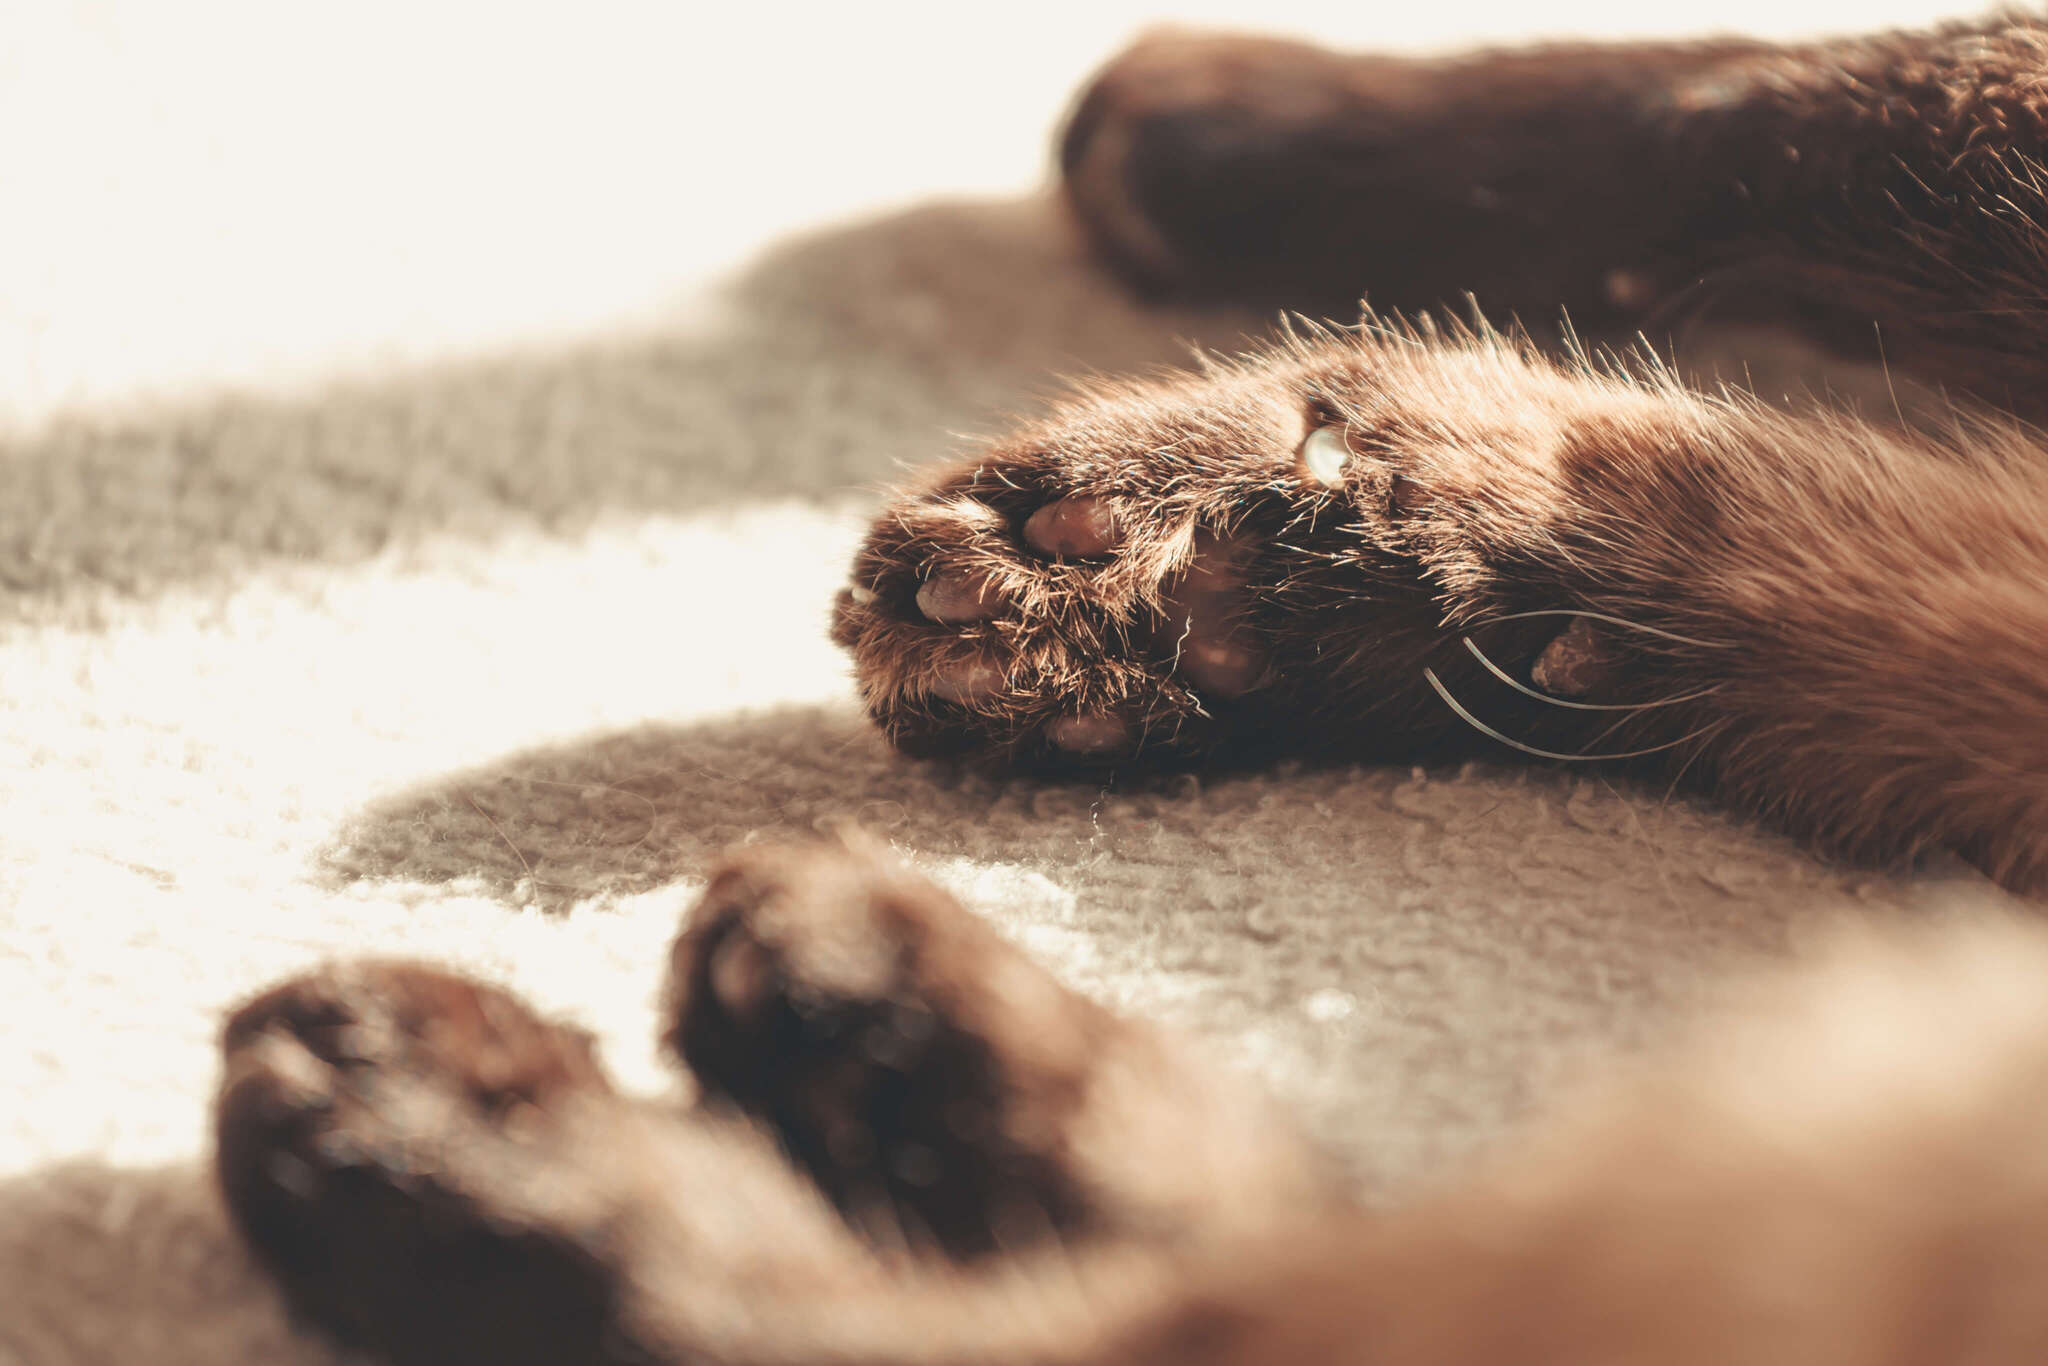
(918,1067)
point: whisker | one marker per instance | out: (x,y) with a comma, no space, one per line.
(1611,621)
(1490,733)
(1679,777)
(1541,696)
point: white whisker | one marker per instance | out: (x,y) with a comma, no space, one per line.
(1542,696)
(1490,733)
(1612,621)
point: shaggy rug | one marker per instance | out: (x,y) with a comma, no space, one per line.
(481,662)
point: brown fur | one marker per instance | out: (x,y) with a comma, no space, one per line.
(1875,633)
(1892,179)
(1877,673)
(1848,1172)
(916,1147)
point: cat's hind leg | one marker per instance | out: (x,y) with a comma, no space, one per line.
(945,1091)
(434,1174)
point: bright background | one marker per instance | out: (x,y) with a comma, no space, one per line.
(243,191)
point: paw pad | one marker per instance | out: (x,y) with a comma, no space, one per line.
(1154,573)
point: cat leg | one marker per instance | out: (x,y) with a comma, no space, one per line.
(1892,180)
(1225,164)
(1837,627)
(1162,569)
(435,1174)
(945,1091)
(1843,1168)
(1231,561)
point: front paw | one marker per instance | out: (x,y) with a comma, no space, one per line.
(1266,556)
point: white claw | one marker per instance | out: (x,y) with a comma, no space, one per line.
(1324,453)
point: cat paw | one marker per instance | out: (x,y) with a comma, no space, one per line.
(385,1143)
(1204,163)
(920,1069)
(1285,553)
(1157,572)
(1275,172)
(943,1089)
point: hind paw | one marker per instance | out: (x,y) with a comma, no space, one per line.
(920,1069)
(390,1143)
(940,1086)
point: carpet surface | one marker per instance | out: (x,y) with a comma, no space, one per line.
(480,661)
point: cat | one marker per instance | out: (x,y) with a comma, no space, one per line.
(913,1145)
(1405,537)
